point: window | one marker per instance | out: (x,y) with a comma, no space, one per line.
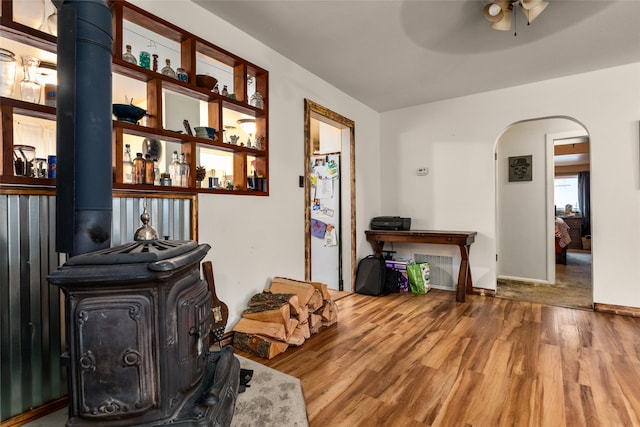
(566,192)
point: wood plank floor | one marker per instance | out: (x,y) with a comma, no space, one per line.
(425,360)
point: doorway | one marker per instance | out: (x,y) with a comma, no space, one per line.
(527,264)
(330,252)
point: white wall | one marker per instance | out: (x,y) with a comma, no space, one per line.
(256,238)
(456,138)
(523,215)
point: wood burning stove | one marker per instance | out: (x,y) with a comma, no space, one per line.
(138,318)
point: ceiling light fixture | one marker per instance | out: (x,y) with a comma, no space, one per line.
(500,12)
(248,125)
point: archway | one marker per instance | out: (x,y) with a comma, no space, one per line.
(526,214)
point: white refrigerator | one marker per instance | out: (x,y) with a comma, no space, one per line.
(325,220)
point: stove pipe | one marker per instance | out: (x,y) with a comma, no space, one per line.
(84,127)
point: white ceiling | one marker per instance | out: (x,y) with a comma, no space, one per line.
(391,54)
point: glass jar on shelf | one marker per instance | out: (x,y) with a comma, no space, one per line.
(149,170)
(156,172)
(145,60)
(167,70)
(174,170)
(127,166)
(23,157)
(182,75)
(256,100)
(7,72)
(128,56)
(184,171)
(30,88)
(40,167)
(138,169)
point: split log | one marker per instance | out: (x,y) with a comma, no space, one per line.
(330,312)
(314,323)
(291,326)
(316,300)
(323,288)
(297,309)
(273,330)
(324,311)
(301,313)
(297,338)
(273,298)
(304,329)
(258,345)
(282,285)
(279,312)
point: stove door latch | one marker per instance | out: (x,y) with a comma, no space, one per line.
(198,334)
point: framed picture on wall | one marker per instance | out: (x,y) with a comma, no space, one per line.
(520,168)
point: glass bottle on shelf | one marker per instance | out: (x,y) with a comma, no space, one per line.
(149,172)
(215,89)
(167,70)
(225,91)
(29,87)
(174,170)
(256,100)
(138,169)
(156,172)
(127,166)
(7,72)
(128,56)
(182,75)
(155,62)
(184,171)
(145,60)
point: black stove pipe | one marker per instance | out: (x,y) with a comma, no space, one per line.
(84,127)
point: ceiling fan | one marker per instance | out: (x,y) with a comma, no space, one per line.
(500,12)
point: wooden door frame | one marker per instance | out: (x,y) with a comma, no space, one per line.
(312,109)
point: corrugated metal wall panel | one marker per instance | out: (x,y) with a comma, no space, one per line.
(30,343)
(31,311)
(170,217)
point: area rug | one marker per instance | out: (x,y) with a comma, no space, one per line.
(272,399)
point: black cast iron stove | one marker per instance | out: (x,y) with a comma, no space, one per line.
(138,318)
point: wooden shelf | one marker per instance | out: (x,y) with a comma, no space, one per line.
(190,47)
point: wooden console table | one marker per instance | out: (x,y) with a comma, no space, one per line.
(462,239)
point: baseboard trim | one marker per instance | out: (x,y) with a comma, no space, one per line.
(36,413)
(616,309)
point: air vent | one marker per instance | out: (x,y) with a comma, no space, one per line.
(440,270)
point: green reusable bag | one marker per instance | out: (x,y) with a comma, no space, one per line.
(418,274)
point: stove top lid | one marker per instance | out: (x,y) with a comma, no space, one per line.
(149,251)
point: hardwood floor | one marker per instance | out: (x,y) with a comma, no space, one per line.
(425,360)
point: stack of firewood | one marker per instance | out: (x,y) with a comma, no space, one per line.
(285,314)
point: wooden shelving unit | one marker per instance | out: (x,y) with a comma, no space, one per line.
(248,162)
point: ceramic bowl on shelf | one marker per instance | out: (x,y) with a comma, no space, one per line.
(205,132)
(128,112)
(206,81)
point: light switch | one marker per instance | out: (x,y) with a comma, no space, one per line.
(422,171)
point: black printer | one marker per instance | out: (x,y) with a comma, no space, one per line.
(390,223)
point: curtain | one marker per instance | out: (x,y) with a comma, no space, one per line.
(584,199)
